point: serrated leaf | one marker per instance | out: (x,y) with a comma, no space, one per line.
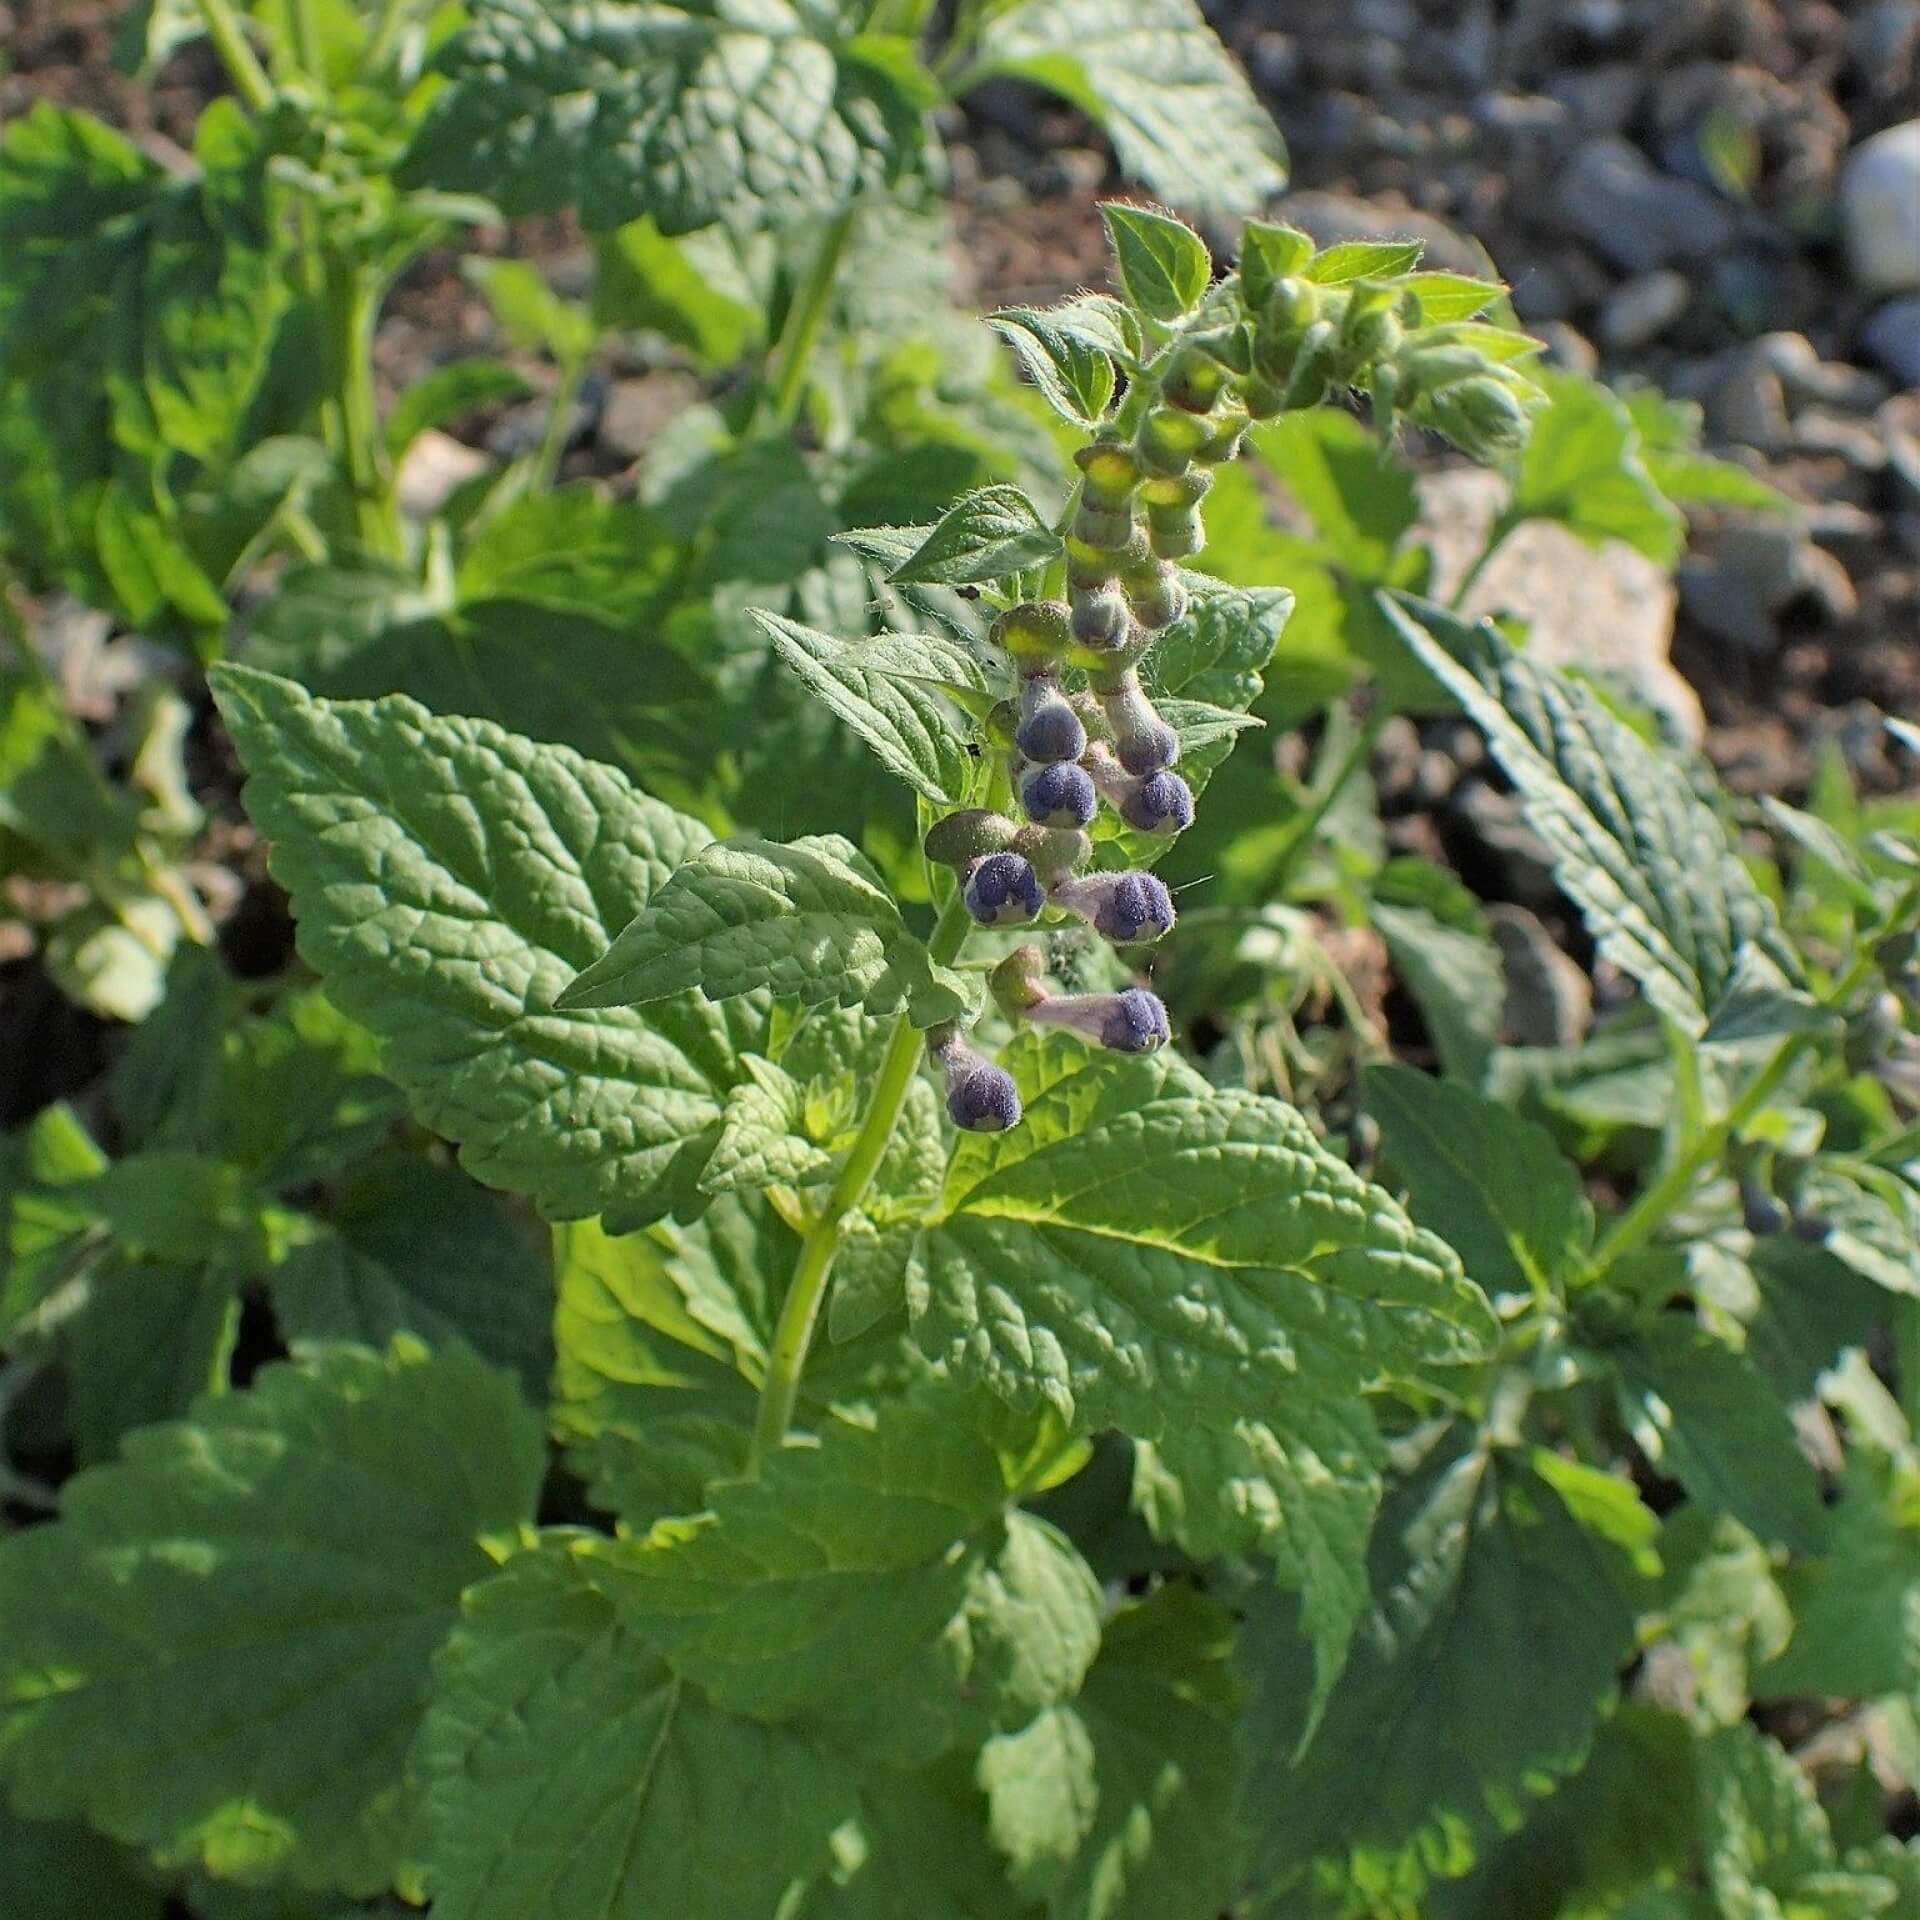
(1076,380)
(919,1846)
(984,536)
(569,1772)
(759,116)
(909,723)
(448,879)
(1455,977)
(810,921)
(220,1651)
(874,1583)
(1142,1251)
(1706,1415)
(1363,260)
(1362,504)
(1178,110)
(1301,1486)
(1492,1185)
(1162,264)
(1582,467)
(1642,856)
(695,290)
(1119,1806)
(1467,1550)
(763,1140)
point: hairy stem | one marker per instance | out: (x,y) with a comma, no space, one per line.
(236,54)
(1648,1214)
(807,1290)
(804,321)
(352,306)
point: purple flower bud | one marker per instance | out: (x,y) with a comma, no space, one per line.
(1122,907)
(1003,891)
(1161,803)
(1049,729)
(1143,741)
(1100,618)
(1130,1022)
(1058,796)
(981,1098)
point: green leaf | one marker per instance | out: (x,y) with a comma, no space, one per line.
(569,1772)
(1856,1609)
(757,116)
(1301,1486)
(408,1247)
(983,537)
(1143,1251)
(1362,503)
(1643,857)
(449,879)
(1473,1558)
(66,1873)
(1351,260)
(1582,467)
(694,290)
(1163,265)
(810,921)
(220,1651)
(874,1583)
(908,722)
(1455,976)
(1270,251)
(1444,298)
(1626,1819)
(528,311)
(1178,110)
(460,387)
(1722,1608)
(1491,1184)
(919,1847)
(1706,1415)
(1119,1806)
(1075,379)
(763,1138)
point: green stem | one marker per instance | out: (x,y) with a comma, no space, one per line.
(237,55)
(807,1290)
(305,35)
(1496,539)
(1355,760)
(352,307)
(809,312)
(1649,1213)
(393,19)
(553,442)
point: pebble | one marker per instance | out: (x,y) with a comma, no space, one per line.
(1831,383)
(636,411)
(1640,310)
(1747,404)
(1549,1000)
(1757,574)
(1602,98)
(435,467)
(1892,337)
(1817,431)
(1639,218)
(1568,347)
(1880,209)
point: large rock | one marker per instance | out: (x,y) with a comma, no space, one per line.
(1880,209)
(1892,336)
(1637,216)
(1608,611)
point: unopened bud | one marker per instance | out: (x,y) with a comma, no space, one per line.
(1161,803)
(1142,741)
(1129,1022)
(1108,528)
(1109,473)
(981,1098)
(1034,634)
(1003,890)
(1019,981)
(1049,729)
(1058,796)
(1169,439)
(969,835)
(1053,852)
(1480,416)
(1100,618)
(1157,595)
(1121,907)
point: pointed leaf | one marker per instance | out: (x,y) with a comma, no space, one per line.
(983,537)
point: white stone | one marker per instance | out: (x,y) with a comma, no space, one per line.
(1880,206)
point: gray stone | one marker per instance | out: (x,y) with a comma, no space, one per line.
(434,468)
(1828,383)
(1880,209)
(1758,572)
(1639,218)
(1817,431)
(1640,310)
(1549,999)
(1608,611)
(1747,403)
(1892,336)
(1602,98)
(1568,347)
(637,410)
